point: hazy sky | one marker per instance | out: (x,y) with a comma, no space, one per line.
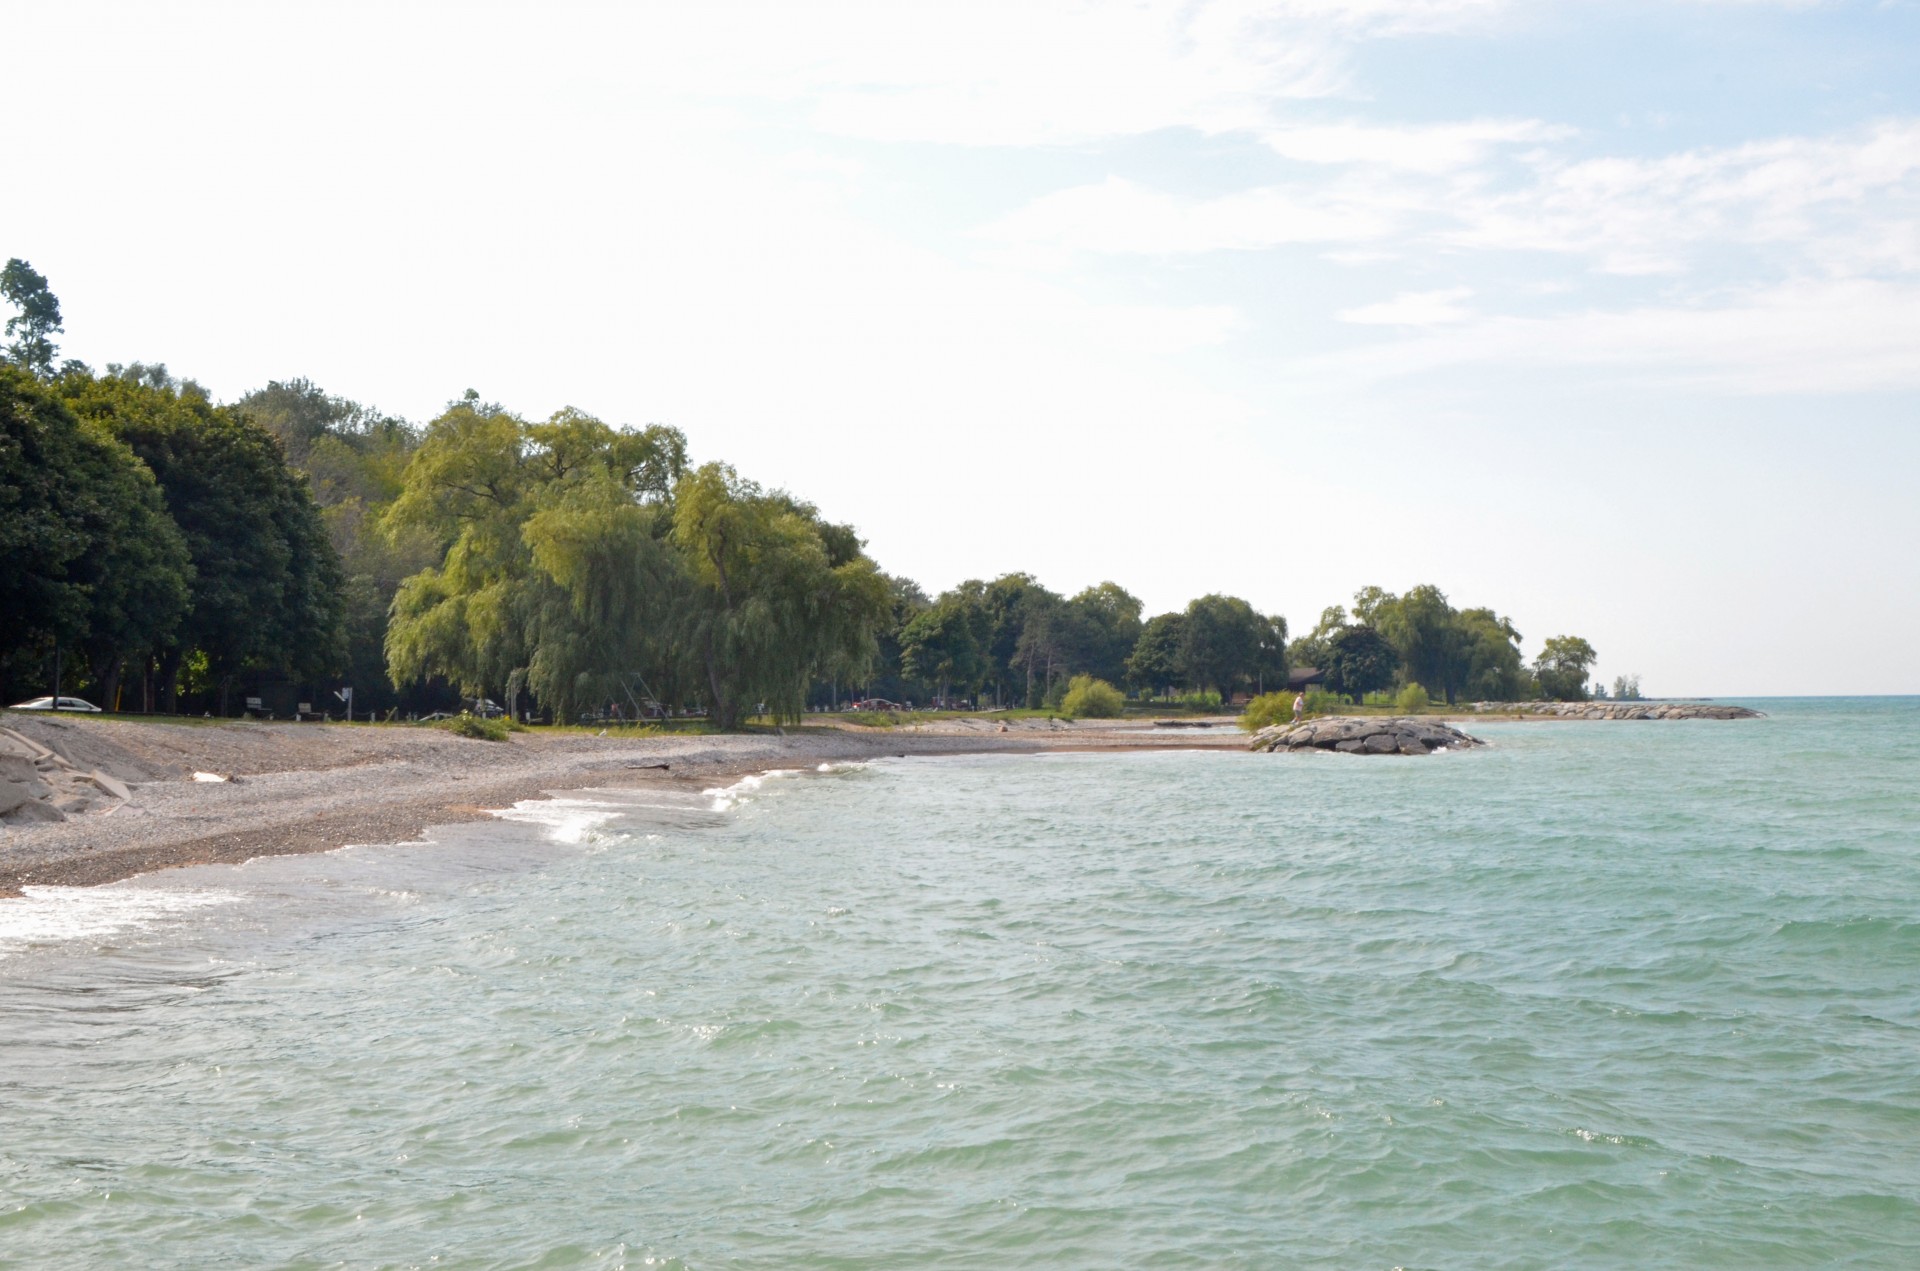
(1605,314)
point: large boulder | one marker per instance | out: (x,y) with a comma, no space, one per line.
(1381,735)
(20,782)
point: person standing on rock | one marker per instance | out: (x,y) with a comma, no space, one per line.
(1299,704)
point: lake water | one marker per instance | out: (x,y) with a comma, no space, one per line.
(1602,995)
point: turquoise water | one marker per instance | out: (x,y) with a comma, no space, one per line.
(1603,995)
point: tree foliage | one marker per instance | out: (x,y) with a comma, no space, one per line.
(1090,698)
(36,319)
(552,558)
(780,596)
(1473,652)
(1223,642)
(1359,660)
(1562,668)
(301,534)
(266,584)
(1154,664)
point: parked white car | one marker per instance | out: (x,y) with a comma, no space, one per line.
(46,704)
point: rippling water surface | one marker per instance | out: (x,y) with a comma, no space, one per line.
(1604,995)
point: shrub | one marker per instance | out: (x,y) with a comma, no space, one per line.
(467,724)
(1088,698)
(1321,702)
(1412,700)
(1204,701)
(1266,710)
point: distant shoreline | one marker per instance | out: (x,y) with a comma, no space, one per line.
(300,788)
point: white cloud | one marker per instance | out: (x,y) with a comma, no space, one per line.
(1121,217)
(1027,72)
(1824,199)
(1852,336)
(1833,206)
(1427,148)
(1413,309)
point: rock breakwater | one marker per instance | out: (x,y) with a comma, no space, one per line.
(1385,735)
(39,784)
(1616,710)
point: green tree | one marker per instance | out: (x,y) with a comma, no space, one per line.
(530,520)
(90,561)
(1311,649)
(1220,644)
(353,459)
(266,581)
(1154,664)
(885,677)
(139,573)
(36,321)
(1492,669)
(1562,668)
(605,596)
(42,532)
(941,645)
(1451,652)
(1420,625)
(1104,627)
(1090,698)
(1271,667)
(1359,660)
(1005,604)
(1045,641)
(780,597)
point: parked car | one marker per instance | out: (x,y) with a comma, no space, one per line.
(46,704)
(485,708)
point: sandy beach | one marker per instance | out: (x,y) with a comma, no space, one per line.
(314,787)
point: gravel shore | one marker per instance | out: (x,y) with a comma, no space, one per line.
(313,787)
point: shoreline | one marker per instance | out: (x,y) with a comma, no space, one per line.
(298,789)
(286,789)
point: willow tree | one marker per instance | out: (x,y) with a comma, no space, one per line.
(1448,651)
(778,596)
(512,504)
(616,588)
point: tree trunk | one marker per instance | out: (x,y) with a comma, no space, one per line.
(725,715)
(109,680)
(170,679)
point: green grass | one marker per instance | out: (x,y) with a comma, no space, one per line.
(133,717)
(468,725)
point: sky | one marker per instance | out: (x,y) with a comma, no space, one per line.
(1603,314)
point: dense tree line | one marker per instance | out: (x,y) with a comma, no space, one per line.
(149,538)
(1390,641)
(1014,642)
(162,552)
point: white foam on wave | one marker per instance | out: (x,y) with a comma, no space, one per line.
(567,820)
(726,798)
(53,915)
